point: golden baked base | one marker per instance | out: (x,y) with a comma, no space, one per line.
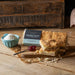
(48,52)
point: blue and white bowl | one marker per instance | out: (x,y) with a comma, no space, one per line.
(10,43)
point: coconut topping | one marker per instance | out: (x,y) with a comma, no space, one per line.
(10,37)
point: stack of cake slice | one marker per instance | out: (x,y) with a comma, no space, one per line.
(52,43)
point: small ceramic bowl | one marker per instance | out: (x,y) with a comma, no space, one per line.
(10,43)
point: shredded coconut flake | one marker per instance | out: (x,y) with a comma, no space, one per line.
(10,37)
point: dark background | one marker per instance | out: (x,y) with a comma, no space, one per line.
(69,6)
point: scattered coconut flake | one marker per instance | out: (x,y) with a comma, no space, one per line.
(29,60)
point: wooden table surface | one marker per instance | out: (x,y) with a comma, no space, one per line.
(11,65)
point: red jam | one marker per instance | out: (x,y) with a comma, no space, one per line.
(32,48)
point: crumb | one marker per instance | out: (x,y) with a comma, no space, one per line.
(37,51)
(47,59)
(28,61)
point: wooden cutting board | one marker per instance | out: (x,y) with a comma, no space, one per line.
(12,65)
(67,63)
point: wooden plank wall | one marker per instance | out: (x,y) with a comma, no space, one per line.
(17,8)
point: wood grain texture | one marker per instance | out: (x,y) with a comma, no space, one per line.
(11,13)
(14,66)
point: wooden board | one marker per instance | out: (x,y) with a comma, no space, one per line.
(17,67)
(25,7)
(67,61)
(13,65)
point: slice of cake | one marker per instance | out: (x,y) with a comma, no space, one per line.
(53,39)
(52,43)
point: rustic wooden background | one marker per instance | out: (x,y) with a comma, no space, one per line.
(13,13)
